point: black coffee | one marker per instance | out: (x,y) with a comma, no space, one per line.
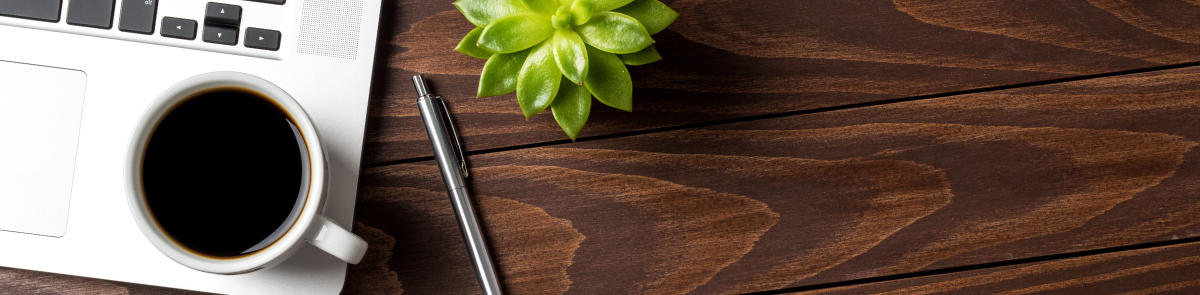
(223,173)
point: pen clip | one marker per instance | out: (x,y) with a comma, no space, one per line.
(445,116)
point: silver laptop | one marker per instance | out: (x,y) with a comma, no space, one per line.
(75,75)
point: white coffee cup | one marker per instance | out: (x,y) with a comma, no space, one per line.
(310,225)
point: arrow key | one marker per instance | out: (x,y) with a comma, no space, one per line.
(262,39)
(220,35)
(222,14)
(178,28)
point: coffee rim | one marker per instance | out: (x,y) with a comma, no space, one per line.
(154,128)
(291,242)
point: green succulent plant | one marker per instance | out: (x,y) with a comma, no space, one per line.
(530,45)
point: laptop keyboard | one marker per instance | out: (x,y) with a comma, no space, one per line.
(221,24)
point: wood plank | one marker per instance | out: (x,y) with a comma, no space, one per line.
(1161,270)
(816,198)
(730,59)
(20,281)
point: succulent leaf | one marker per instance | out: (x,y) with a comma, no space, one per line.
(613,32)
(606,5)
(515,32)
(609,80)
(544,7)
(538,81)
(582,11)
(469,45)
(561,19)
(641,57)
(560,23)
(483,12)
(570,54)
(499,75)
(653,14)
(571,107)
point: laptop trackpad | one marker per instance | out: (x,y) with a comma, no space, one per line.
(40,109)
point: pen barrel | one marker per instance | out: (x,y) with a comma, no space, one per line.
(448,165)
(473,236)
(439,139)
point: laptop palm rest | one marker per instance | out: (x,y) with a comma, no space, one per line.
(40,111)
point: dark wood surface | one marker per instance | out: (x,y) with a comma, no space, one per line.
(820,146)
(727,59)
(818,198)
(1160,270)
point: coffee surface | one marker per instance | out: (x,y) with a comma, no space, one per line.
(223,173)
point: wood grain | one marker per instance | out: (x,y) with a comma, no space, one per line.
(1162,270)
(841,195)
(729,59)
(20,281)
(372,275)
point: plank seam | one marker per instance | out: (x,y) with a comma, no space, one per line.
(965,268)
(796,113)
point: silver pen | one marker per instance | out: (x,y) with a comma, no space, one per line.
(453,166)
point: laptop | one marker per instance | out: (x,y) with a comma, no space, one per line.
(75,76)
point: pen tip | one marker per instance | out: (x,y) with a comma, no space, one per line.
(419,83)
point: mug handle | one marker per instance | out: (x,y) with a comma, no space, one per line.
(336,240)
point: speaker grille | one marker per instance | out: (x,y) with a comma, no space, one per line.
(330,28)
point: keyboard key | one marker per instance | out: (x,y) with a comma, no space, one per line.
(220,35)
(262,39)
(90,13)
(177,28)
(222,14)
(137,16)
(280,2)
(43,10)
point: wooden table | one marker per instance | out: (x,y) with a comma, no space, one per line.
(907,146)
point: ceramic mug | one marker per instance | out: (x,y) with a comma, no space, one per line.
(309,226)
